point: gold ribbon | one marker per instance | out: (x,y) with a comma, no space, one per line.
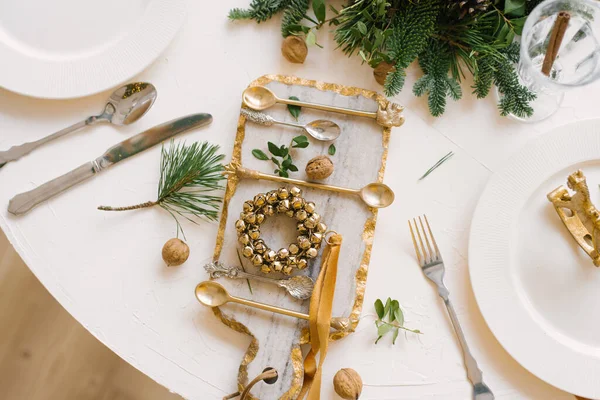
(269,375)
(321,304)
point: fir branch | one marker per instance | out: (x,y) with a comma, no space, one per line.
(294,13)
(515,98)
(239,13)
(435,61)
(187,176)
(259,10)
(412,27)
(483,77)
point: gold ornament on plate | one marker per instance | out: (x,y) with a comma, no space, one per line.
(310,230)
(579,215)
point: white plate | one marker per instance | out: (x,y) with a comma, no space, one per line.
(71,48)
(537,290)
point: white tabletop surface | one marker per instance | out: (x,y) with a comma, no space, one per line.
(106,270)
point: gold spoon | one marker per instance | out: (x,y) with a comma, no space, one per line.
(212,294)
(376,195)
(260,98)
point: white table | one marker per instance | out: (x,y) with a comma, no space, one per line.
(106,270)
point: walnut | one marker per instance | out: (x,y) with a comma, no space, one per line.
(381,71)
(347,384)
(175,252)
(320,167)
(294,49)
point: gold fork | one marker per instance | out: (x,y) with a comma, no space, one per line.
(432,265)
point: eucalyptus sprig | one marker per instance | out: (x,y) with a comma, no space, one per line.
(188,174)
(395,319)
(281,155)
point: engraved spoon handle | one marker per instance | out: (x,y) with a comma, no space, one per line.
(16,152)
(322,107)
(264,119)
(217,270)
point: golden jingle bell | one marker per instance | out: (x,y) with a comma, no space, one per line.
(259,200)
(283,193)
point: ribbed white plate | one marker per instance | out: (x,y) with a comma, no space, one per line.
(71,48)
(537,290)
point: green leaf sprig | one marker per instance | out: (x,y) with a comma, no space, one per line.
(395,319)
(281,155)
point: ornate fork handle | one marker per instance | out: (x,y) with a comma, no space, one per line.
(473,372)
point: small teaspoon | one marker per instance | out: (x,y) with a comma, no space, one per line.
(299,286)
(126,105)
(320,129)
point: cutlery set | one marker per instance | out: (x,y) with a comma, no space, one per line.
(130,102)
(126,105)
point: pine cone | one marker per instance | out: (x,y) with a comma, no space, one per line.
(464,8)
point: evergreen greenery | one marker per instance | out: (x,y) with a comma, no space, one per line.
(436,83)
(188,175)
(259,10)
(293,14)
(449,38)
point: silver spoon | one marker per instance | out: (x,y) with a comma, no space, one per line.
(212,294)
(299,286)
(320,129)
(126,105)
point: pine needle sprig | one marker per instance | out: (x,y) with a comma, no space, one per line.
(188,176)
(437,165)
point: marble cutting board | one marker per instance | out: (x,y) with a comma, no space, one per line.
(360,159)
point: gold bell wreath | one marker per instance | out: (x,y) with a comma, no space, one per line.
(309,227)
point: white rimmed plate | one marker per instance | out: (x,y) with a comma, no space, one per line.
(71,48)
(537,290)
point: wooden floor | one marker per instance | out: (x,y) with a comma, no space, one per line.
(46,355)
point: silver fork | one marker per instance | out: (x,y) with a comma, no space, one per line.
(432,265)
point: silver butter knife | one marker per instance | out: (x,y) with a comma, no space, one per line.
(22,203)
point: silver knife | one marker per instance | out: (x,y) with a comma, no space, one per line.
(22,203)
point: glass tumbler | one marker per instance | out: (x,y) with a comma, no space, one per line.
(578,58)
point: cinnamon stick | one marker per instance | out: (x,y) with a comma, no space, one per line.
(556,37)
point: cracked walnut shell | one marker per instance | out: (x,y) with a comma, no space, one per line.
(320,167)
(294,49)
